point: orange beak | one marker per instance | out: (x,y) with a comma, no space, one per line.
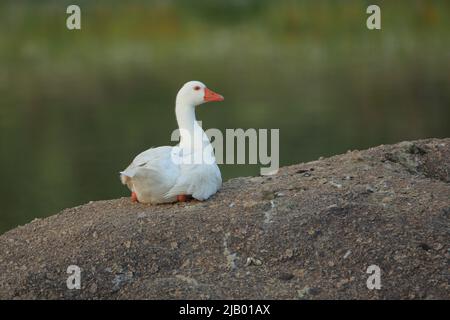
(212,96)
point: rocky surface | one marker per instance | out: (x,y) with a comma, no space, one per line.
(309,232)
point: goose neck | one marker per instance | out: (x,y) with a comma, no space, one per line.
(187,123)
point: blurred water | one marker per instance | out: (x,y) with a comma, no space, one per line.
(76,106)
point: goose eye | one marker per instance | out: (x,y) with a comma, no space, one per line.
(196,88)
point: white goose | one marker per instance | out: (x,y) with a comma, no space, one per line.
(169,174)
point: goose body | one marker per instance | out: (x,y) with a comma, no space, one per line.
(167,174)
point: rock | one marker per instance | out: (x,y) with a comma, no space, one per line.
(289,253)
(285,276)
(289,238)
(303,292)
(424,246)
(252,261)
(141,215)
(347,254)
(335,184)
(268,195)
(93,288)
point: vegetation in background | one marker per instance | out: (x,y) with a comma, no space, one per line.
(76,106)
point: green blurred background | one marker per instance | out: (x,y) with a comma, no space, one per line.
(77,106)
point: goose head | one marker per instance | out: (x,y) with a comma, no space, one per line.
(194,93)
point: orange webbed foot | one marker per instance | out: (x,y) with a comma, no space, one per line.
(134,197)
(184,198)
